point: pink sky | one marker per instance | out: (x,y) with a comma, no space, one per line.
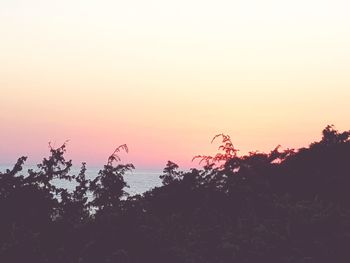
(164,78)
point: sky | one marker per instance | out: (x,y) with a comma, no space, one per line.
(165,76)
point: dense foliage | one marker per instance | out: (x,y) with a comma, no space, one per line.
(283,206)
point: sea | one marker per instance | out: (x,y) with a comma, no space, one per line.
(138,180)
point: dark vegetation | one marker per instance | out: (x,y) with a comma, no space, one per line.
(283,206)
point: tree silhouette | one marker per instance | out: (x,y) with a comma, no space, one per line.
(281,206)
(108,186)
(170,173)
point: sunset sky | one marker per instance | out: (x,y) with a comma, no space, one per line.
(165,76)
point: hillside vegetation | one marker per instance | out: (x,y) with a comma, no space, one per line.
(283,206)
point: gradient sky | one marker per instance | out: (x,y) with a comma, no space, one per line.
(166,76)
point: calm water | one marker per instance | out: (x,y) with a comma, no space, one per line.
(139,181)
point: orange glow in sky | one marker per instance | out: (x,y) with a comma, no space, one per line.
(165,76)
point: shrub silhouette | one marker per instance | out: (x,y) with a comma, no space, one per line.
(108,186)
(282,206)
